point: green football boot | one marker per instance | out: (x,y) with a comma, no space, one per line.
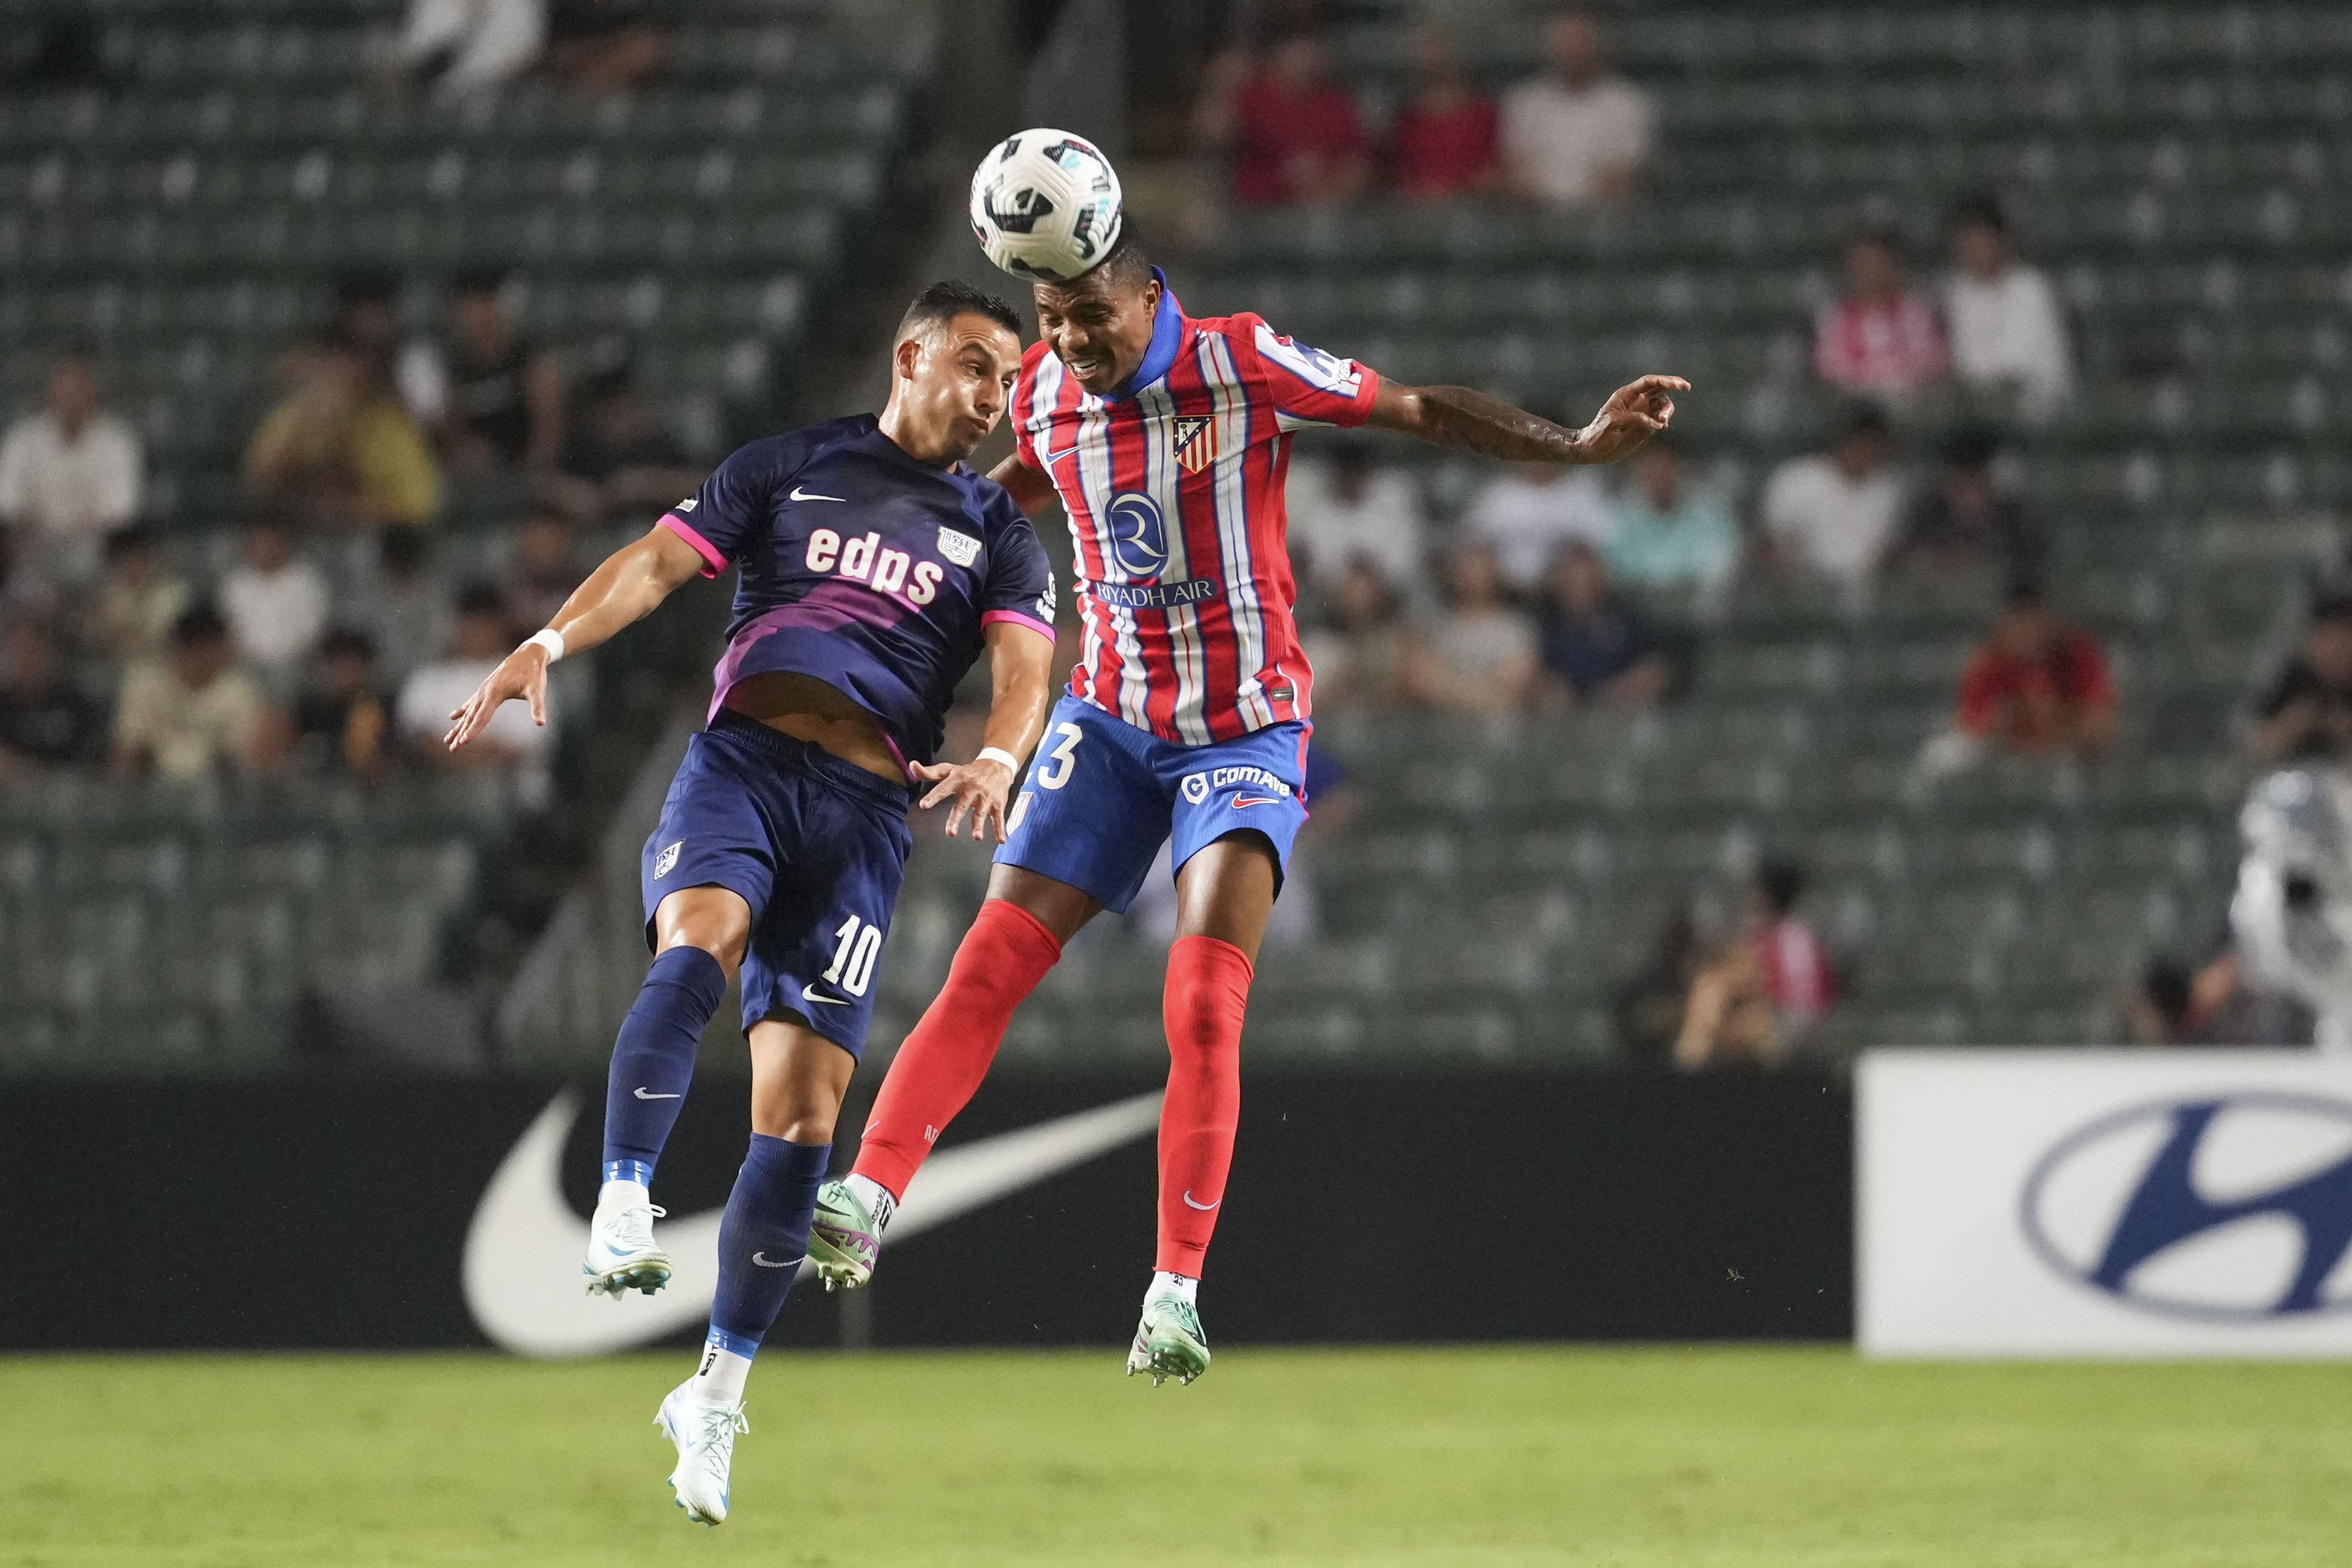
(1168,1342)
(843,1242)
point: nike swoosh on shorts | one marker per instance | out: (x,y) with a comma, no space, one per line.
(808,994)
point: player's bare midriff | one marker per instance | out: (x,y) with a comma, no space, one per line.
(806,708)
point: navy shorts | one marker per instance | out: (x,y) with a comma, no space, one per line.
(817,847)
(1102,796)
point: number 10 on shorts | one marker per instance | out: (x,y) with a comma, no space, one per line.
(853,960)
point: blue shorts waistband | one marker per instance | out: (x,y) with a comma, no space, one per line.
(806,757)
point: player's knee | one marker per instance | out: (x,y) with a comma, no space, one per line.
(721,941)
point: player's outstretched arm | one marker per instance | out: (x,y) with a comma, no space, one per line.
(1457,416)
(1032,491)
(624,590)
(1020,668)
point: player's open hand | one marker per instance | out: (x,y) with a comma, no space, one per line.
(979,787)
(1634,413)
(522,673)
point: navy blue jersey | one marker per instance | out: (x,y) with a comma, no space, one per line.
(864,568)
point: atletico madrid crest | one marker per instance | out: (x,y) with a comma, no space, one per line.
(1196,442)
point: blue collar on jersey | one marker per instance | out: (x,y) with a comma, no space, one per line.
(1167,337)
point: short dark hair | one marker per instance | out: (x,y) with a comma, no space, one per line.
(1128,265)
(2332,609)
(1864,419)
(347,642)
(478,281)
(366,289)
(1885,235)
(402,548)
(2022,594)
(199,624)
(133,541)
(945,300)
(481,599)
(1971,447)
(1781,884)
(1978,209)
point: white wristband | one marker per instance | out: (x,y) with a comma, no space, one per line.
(998,754)
(550,639)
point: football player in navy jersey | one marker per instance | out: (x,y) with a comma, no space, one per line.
(874,566)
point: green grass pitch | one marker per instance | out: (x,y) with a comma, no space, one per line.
(1468,1458)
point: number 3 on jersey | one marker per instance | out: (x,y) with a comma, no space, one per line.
(1062,758)
(853,960)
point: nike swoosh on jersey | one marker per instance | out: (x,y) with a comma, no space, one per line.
(521,1268)
(643,1095)
(1241,800)
(800,494)
(808,994)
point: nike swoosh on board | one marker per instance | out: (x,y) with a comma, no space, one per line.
(808,994)
(800,494)
(643,1095)
(1204,1208)
(521,1268)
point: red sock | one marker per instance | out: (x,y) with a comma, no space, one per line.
(999,963)
(1208,988)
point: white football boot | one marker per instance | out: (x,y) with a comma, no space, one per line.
(622,1253)
(705,1436)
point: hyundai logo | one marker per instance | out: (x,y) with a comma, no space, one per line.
(2234,1208)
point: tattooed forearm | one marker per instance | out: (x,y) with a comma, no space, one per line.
(1457,416)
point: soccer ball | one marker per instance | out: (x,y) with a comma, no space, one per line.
(1045,205)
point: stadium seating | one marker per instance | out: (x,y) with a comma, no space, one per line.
(2170,166)
(191,217)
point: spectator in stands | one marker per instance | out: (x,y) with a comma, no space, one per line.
(187,716)
(45,723)
(1446,140)
(2307,713)
(1766,995)
(1648,1007)
(605,45)
(1291,131)
(542,572)
(493,399)
(1479,655)
(1965,523)
(342,725)
(1665,534)
(2158,1010)
(275,602)
(137,599)
(404,606)
(1349,508)
(69,475)
(1597,650)
(24,593)
(459,47)
(2035,687)
(618,457)
(1361,659)
(1833,513)
(1527,513)
(1577,136)
(342,451)
(1882,340)
(2009,337)
(481,637)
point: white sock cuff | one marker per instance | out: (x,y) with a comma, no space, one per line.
(623,1194)
(875,1197)
(1182,1285)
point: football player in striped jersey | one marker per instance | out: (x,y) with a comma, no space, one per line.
(1166,438)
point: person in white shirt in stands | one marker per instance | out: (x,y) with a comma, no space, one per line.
(2009,337)
(1834,513)
(275,605)
(1345,508)
(1528,514)
(68,474)
(1575,136)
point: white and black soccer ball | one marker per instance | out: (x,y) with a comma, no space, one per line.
(1045,205)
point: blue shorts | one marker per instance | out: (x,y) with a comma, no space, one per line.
(1102,796)
(817,847)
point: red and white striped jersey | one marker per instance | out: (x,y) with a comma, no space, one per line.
(1173,485)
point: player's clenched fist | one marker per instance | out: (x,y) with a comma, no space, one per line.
(980,787)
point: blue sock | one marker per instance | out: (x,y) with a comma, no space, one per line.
(763,1238)
(653,1061)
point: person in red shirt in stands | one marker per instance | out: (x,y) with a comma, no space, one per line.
(1882,340)
(2037,686)
(1445,141)
(1293,132)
